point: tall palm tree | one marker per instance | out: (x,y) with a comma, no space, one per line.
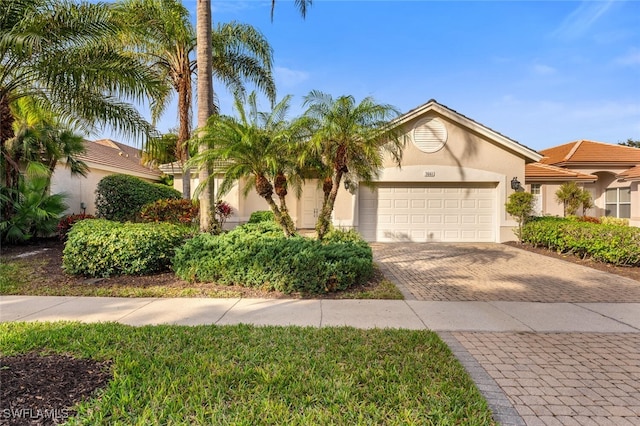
(60,54)
(255,148)
(205,87)
(348,140)
(161,31)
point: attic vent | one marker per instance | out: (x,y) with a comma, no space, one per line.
(429,135)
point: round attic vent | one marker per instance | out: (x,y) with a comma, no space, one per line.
(429,135)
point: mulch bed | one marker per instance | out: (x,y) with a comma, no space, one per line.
(41,389)
(45,257)
(632,272)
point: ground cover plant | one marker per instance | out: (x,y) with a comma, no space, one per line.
(259,255)
(615,244)
(260,375)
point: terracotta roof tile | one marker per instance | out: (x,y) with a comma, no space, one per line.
(536,172)
(631,174)
(584,151)
(109,153)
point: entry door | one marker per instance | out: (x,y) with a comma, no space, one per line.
(311,204)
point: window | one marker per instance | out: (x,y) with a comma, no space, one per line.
(536,191)
(618,202)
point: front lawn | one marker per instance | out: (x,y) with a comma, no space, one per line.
(249,375)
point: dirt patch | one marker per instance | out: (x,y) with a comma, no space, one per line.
(41,390)
(624,271)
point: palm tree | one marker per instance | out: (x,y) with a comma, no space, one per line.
(348,140)
(205,88)
(255,148)
(161,31)
(46,47)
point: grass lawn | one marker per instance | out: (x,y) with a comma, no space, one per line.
(249,375)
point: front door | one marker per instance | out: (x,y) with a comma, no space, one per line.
(311,204)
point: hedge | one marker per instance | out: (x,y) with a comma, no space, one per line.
(619,245)
(121,197)
(101,248)
(258,255)
(174,211)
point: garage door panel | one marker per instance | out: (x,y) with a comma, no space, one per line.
(410,212)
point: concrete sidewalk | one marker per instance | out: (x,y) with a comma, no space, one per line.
(409,314)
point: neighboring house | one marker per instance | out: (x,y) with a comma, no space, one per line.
(611,174)
(103,157)
(455,179)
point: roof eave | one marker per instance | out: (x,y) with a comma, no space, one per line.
(432,105)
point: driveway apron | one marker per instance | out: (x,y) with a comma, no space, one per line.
(528,378)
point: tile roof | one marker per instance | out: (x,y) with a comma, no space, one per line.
(537,172)
(631,174)
(590,152)
(106,152)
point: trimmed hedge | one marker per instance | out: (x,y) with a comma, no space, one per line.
(619,245)
(101,248)
(262,216)
(258,255)
(121,197)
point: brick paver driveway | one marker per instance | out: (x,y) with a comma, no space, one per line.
(529,378)
(488,272)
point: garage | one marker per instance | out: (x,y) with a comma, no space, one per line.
(392,211)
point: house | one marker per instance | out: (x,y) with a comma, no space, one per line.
(455,178)
(103,157)
(609,172)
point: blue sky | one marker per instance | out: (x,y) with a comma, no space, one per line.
(540,72)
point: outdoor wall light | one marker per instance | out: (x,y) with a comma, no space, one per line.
(347,184)
(515,184)
(83,206)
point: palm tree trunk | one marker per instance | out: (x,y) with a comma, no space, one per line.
(205,99)
(324,219)
(184,132)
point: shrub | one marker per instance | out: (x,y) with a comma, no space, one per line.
(68,221)
(262,216)
(589,219)
(608,220)
(520,206)
(101,248)
(121,197)
(619,245)
(174,211)
(258,255)
(34,212)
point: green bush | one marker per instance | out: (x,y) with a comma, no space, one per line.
(121,197)
(68,221)
(173,211)
(258,255)
(262,216)
(608,220)
(101,248)
(619,245)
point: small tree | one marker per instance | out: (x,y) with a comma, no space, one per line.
(586,201)
(520,206)
(573,197)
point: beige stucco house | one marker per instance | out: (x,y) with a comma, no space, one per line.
(611,173)
(453,183)
(104,157)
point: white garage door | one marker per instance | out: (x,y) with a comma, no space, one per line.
(406,212)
